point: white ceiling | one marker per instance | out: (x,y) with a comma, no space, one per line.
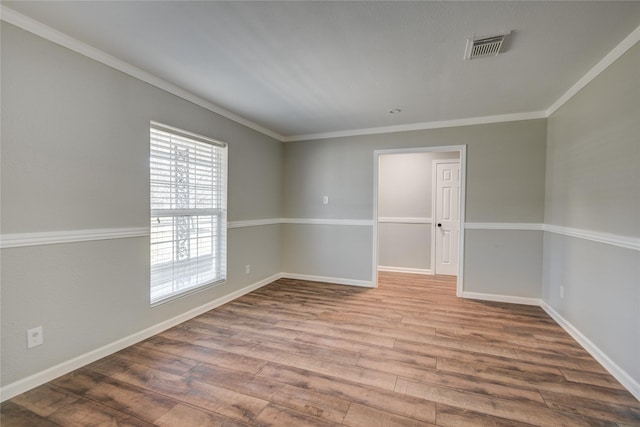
(299,68)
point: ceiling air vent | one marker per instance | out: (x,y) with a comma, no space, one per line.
(479,47)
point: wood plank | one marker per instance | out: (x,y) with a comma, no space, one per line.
(337,332)
(225,402)
(462,382)
(541,358)
(407,406)
(187,416)
(303,347)
(164,383)
(197,353)
(278,416)
(467,346)
(233,345)
(491,406)
(156,359)
(449,416)
(514,341)
(541,381)
(596,409)
(591,378)
(85,412)
(14,415)
(362,376)
(45,400)
(300,399)
(144,404)
(360,415)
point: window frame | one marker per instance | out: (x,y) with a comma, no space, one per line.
(217,219)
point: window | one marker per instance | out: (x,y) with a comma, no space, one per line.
(188,183)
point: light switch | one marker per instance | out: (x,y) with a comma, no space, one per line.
(325,200)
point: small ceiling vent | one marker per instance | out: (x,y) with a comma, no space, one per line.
(479,47)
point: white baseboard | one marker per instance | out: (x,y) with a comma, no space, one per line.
(620,374)
(326,279)
(502,298)
(32,381)
(425,271)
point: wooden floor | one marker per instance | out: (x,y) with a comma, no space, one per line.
(295,353)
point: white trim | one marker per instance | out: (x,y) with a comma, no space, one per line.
(405,220)
(32,381)
(432,243)
(376,220)
(520,226)
(254,222)
(19,240)
(321,221)
(38,28)
(596,236)
(425,271)
(604,63)
(327,279)
(420,126)
(618,373)
(502,298)
(463,209)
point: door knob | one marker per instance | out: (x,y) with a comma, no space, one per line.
(439,225)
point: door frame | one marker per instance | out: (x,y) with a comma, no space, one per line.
(462,149)
(434,186)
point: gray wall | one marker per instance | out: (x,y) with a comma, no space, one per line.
(75,148)
(505,183)
(593,184)
(404,191)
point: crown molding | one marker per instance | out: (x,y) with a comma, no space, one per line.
(421,126)
(38,28)
(604,63)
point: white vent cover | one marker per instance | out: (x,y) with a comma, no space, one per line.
(479,47)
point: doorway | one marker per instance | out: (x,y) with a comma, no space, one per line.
(416,189)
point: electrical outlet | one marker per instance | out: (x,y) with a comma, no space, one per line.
(247,269)
(561,292)
(34,337)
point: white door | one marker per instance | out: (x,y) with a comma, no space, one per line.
(446,218)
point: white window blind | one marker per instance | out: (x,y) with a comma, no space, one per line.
(188,183)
